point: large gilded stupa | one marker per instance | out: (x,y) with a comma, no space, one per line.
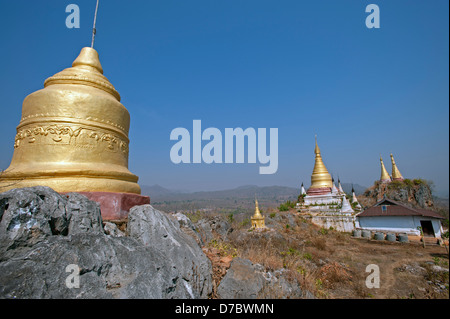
(323,202)
(73,135)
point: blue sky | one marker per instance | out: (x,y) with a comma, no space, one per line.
(304,67)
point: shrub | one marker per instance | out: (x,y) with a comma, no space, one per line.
(333,273)
(408,182)
(286,206)
(195,217)
(290,252)
(419,181)
(319,243)
(395,185)
(245,222)
(307,256)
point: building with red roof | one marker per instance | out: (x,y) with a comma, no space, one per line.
(391,216)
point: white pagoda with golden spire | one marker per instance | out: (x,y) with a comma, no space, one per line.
(324,203)
(322,189)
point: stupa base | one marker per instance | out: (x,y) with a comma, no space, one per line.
(319,191)
(116,206)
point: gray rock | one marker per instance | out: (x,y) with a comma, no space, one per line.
(438,269)
(42,233)
(242,281)
(112,230)
(30,215)
(209,227)
(245,280)
(424,197)
(188,227)
(84,215)
(153,228)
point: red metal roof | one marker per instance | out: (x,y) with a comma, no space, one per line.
(394,208)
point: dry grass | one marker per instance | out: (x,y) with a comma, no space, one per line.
(330,264)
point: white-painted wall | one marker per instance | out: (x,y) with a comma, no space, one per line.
(398,224)
(340,223)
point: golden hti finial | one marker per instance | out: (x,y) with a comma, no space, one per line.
(320,177)
(396,175)
(258,219)
(385,177)
(316,149)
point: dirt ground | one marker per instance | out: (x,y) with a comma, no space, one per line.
(406,270)
(332,265)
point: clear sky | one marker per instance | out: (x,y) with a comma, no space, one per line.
(304,67)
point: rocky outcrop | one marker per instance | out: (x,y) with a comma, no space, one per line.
(414,193)
(43,235)
(208,228)
(245,280)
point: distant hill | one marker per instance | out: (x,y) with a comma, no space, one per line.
(240,198)
(359,190)
(157,191)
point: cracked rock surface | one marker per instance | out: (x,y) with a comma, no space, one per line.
(43,232)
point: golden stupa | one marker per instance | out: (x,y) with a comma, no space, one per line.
(385,177)
(73,135)
(258,220)
(320,177)
(396,176)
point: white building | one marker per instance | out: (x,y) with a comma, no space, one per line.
(389,216)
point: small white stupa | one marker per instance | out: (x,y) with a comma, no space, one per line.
(346,207)
(355,200)
(340,189)
(302,191)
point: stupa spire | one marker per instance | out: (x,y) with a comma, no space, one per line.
(396,175)
(257,212)
(320,177)
(385,177)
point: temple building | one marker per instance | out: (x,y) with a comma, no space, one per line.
(73,137)
(258,220)
(390,216)
(326,204)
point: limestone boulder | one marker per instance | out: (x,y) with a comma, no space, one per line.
(44,235)
(245,280)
